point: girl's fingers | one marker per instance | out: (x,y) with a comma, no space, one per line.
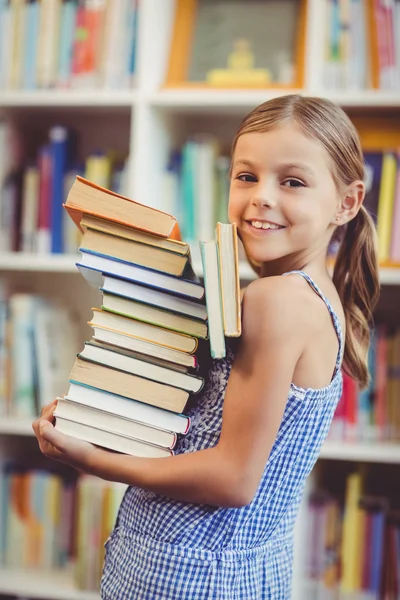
(47,416)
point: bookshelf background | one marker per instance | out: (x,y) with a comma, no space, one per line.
(145,123)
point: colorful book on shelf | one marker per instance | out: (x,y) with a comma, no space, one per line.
(385,205)
(87,198)
(171,340)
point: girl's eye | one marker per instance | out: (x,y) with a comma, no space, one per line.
(247,177)
(292,183)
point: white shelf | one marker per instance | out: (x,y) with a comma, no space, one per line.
(46,585)
(235,101)
(376,452)
(24,261)
(213,100)
(65,263)
(68,98)
(16,426)
(381,452)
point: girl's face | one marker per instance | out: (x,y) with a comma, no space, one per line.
(283,197)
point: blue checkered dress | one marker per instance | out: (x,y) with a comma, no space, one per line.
(162,549)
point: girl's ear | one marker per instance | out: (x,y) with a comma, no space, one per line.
(351,203)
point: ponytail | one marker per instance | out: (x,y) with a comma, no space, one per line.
(356,277)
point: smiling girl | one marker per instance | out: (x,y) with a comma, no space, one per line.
(216,520)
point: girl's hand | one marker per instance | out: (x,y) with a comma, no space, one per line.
(59,446)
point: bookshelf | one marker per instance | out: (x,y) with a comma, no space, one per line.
(55,585)
(150,120)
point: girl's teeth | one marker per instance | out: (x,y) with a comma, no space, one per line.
(261,225)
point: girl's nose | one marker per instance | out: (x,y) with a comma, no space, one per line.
(263,201)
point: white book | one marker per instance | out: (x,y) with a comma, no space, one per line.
(140,293)
(170,357)
(209,258)
(79,413)
(122,362)
(130,409)
(110,440)
(93,266)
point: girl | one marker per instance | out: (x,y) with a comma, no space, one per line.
(216,521)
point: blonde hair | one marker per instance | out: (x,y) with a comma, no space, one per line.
(356,275)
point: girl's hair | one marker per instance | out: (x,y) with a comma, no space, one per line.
(356,275)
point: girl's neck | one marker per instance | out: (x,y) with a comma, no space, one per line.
(315,263)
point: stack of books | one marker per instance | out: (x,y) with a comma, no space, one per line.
(131,382)
(222,287)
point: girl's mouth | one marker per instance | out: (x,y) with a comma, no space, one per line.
(263,227)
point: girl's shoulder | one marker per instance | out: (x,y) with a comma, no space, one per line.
(275,305)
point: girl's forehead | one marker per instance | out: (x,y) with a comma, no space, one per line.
(285,143)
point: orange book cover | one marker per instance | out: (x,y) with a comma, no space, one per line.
(167,224)
(372,39)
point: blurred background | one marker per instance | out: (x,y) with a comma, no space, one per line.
(143,97)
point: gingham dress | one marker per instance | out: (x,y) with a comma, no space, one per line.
(162,549)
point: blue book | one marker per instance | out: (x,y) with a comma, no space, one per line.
(132,39)
(377,546)
(373,169)
(67,36)
(59,141)
(189,191)
(31,45)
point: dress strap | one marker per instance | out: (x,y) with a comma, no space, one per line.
(335,319)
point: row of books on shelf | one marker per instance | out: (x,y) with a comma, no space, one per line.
(196,188)
(38,342)
(362,47)
(32,192)
(372,414)
(50,522)
(352,543)
(85,44)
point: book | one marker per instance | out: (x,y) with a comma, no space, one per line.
(144,331)
(128,385)
(85,197)
(115,404)
(89,222)
(153,352)
(229,278)
(139,293)
(128,364)
(154,360)
(154,316)
(93,267)
(110,440)
(211,270)
(79,413)
(116,248)
(386,204)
